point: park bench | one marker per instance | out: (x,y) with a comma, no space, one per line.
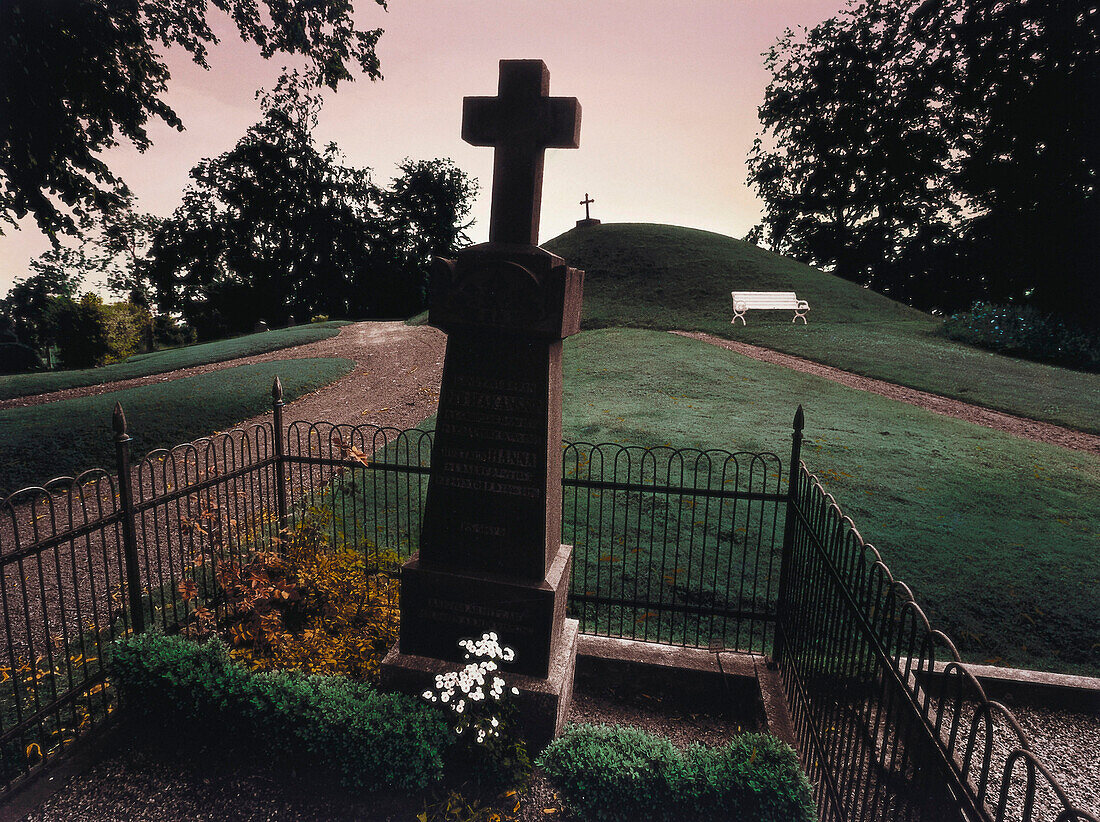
(757,300)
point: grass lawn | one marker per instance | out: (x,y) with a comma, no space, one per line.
(158,362)
(664,277)
(69,436)
(999,537)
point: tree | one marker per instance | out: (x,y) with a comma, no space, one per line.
(56,274)
(278,226)
(426,211)
(126,237)
(936,150)
(273,227)
(79,75)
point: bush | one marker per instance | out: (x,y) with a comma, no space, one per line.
(611,774)
(372,740)
(80,329)
(168,332)
(129,330)
(16,358)
(1022,331)
(311,606)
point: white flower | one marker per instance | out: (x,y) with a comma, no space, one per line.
(445,697)
(515,691)
(427,694)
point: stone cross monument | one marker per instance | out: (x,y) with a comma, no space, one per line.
(490,556)
(587,214)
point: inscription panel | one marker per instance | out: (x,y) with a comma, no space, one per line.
(487,493)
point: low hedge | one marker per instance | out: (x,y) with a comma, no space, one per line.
(1024,332)
(372,740)
(608,774)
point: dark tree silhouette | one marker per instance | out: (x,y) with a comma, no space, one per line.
(55,275)
(938,151)
(79,75)
(278,226)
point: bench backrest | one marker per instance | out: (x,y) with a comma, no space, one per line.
(766,299)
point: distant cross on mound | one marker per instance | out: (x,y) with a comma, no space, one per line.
(587,216)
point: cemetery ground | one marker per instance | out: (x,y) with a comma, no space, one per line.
(997,535)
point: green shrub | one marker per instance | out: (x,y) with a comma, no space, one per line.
(609,774)
(1022,331)
(129,330)
(80,330)
(372,740)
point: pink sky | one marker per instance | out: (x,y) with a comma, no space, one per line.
(668,89)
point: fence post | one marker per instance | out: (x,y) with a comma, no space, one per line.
(788,534)
(280,452)
(129,526)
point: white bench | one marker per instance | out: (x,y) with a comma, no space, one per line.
(757,300)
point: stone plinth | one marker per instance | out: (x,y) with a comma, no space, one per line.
(440,606)
(588,221)
(543,701)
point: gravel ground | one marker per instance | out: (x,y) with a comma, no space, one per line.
(1068,744)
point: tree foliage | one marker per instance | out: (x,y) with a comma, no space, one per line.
(939,151)
(81,75)
(279,227)
(55,274)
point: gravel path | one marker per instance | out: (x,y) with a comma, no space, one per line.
(1017,426)
(395,381)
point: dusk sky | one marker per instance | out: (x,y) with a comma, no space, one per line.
(668,91)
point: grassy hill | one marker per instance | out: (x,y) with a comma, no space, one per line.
(661,276)
(666,277)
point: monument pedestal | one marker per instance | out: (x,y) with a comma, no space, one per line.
(440,606)
(543,702)
(588,221)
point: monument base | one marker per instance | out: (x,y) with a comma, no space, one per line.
(440,606)
(543,703)
(588,222)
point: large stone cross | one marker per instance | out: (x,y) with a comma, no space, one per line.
(521,122)
(490,555)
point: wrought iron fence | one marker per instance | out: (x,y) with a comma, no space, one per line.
(881,737)
(681,546)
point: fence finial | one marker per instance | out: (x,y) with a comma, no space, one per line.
(799,419)
(118,421)
(277,389)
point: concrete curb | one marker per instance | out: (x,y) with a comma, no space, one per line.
(1018,686)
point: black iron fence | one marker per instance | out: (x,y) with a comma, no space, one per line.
(890,724)
(681,546)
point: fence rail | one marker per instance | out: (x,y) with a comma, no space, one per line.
(881,738)
(679,546)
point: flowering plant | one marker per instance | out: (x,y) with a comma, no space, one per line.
(480,701)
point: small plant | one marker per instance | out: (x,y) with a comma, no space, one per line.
(483,717)
(308,606)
